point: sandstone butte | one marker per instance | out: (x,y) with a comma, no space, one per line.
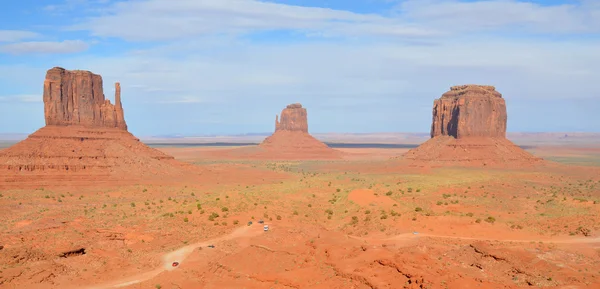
(85,138)
(291,139)
(469,129)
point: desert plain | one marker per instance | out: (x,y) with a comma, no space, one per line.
(187,216)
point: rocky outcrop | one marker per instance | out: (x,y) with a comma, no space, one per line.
(293,118)
(291,139)
(469,111)
(469,129)
(85,140)
(77,98)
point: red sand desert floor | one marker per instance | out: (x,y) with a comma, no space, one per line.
(363,221)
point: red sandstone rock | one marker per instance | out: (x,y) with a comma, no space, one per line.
(469,110)
(77,98)
(85,140)
(469,129)
(291,139)
(293,118)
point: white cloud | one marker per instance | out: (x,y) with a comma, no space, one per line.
(16,35)
(495,14)
(181,99)
(168,20)
(171,20)
(21,98)
(45,47)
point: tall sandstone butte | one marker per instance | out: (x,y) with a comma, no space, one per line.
(469,128)
(470,111)
(77,98)
(85,140)
(293,118)
(291,139)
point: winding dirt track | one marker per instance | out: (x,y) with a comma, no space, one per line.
(181,254)
(178,255)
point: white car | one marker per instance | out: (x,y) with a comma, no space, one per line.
(266,228)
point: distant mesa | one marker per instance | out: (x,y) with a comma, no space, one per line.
(291,139)
(293,118)
(85,138)
(469,128)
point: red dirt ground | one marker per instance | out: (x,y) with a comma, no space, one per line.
(359,222)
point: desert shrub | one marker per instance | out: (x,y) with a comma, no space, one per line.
(235,222)
(389,193)
(367,212)
(329,211)
(278,217)
(490,219)
(295,213)
(310,205)
(478,221)
(439,203)
(418,190)
(338,190)
(469,214)
(133,205)
(409,190)
(383,217)
(224,209)
(418,209)
(186,219)
(213,216)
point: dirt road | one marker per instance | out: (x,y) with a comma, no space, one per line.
(179,255)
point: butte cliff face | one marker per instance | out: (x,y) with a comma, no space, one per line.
(77,98)
(291,139)
(293,118)
(85,139)
(469,128)
(470,111)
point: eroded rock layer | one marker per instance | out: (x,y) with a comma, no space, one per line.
(77,98)
(85,139)
(469,129)
(293,118)
(469,110)
(291,139)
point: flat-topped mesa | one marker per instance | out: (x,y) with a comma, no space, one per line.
(293,118)
(76,97)
(470,111)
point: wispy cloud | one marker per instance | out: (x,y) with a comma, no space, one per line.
(155,20)
(576,17)
(45,47)
(16,35)
(21,98)
(181,99)
(168,20)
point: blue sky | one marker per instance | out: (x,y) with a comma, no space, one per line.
(228,66)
